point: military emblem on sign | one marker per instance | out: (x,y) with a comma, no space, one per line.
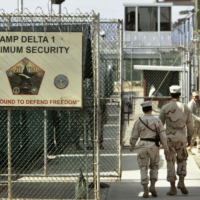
(61,81)
(25,77)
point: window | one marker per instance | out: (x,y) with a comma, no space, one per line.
(130,19)
(165,19)
(147,19)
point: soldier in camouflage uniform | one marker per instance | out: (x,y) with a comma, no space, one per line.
(178,119)
(146,129)
(194,106)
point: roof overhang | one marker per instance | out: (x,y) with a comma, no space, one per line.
(160,68)
(147,4)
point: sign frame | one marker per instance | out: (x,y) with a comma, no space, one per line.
(25,107)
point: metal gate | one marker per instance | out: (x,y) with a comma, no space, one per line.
(110,97)
(52,154)
(62,153)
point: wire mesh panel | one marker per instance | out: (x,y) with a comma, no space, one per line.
(50,153)
(4,150)
(148,74)
(110,97)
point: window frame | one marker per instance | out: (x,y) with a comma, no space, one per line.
(158,19)
(127,23)
(170,18)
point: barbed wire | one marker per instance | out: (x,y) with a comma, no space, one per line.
(2,10)
(27,10)
(66,10)
(40,9)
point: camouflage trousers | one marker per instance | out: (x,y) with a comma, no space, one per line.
(178,153)
(143,157)
(196,137)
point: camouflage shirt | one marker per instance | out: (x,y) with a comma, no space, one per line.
(178,119)
(195,109)
(141,131)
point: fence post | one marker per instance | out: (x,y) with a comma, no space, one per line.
(120,95)
(9,153)
(45,142)
(98,110)
(97,117)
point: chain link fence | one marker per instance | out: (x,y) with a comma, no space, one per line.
(50,154)
(54,153)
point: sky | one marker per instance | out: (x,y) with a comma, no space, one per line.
(108,9)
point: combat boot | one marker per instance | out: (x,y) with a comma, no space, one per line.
(181,185)
(146,191)
(152,188)
(173,189)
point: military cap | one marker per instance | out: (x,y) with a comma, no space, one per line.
(175,89)
(146,104)
(195,94)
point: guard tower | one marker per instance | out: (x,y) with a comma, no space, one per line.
(147,24)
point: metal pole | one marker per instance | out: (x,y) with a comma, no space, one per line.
(188,63)
(131,72)
(21,7)
(189,75)
(98,109)
(120,96)
(196,64)
(85,118)
(9,154)
(51,7)
(60,7)
(197,39)
(184,61)
(181,57)
(17,4)
(45,142)
(136,19)
(180,35)
(196,16)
